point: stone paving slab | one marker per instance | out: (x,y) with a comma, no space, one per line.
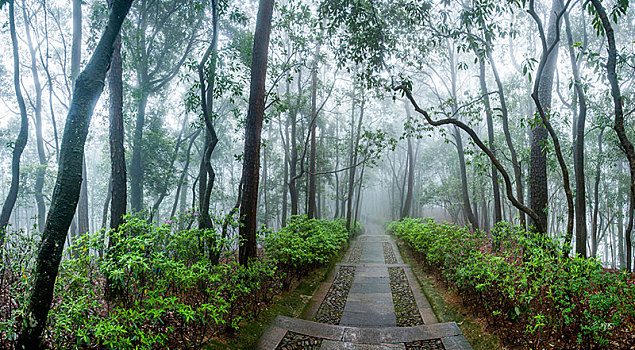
(335,345)
(368,320)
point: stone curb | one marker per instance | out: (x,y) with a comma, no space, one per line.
(359,335)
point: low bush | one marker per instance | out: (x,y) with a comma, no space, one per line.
(165,290)
(527,287)
(304,244)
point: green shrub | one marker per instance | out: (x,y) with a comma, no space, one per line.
(525,284)
(169,293)
(304,244)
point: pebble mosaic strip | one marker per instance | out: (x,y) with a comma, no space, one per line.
(332,308)
(356,253)
(296,341)
(432,344)
(389,253)
(406,309)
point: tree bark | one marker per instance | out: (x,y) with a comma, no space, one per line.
(518,179)
(538,191)
(41,169)
(253,129)
(293,171)
(578,149)
(498,216)
(118,173)
(207,81)
(312,129)
(353,161)
(88,88)
(407,203)
(20,142)
(596,200)
(618,122)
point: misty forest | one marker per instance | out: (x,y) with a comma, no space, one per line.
(317,174)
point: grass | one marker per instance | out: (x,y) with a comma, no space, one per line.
(291,304)
(447,306)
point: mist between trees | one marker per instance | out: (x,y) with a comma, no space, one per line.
(246,114)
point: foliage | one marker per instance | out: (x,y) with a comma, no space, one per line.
(526,285)
(304,244)
(166,291)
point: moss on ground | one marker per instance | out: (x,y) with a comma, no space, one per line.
(447,306)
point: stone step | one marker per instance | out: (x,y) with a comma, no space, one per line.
(344,337)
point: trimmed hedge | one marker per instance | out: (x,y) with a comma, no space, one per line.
(304,244)
(525,285)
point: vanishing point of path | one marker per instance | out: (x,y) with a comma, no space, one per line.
(370,301)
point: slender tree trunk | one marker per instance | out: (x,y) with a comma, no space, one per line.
(285,170)
(253,128)
(136,163)
(596,200)
(578,148)
(293,190)
(23,135)
(183,178)
(41,169)
(407,204)
(539,194)
(88,88)
(618,124)
(620,217)
(353,162)
(312,130)
(518,179)
(498,216)
(467,208)
(116,140)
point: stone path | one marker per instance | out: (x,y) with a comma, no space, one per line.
(371,300)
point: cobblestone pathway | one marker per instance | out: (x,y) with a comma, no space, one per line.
(370,301)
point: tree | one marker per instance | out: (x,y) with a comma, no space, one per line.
(618,121)
(20,142)
(207,79)
(88,88)
(118,176)
(163,36)
(538,192)
(253,129)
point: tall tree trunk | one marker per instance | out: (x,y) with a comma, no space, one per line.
(41,169)
(136,163)
(596,201)
(116,139)
(353,161)
(618,123)
(88,88)
(183,179)
(467,208)
(518,179)
(498,216)
(578,149)
(407,204)
(538,191)
(207,82)
(285,170)
(76,58)
(620,218)
(253,129)
(293,171)
(20,142)
(312,130)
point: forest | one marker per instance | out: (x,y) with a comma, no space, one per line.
(221,174)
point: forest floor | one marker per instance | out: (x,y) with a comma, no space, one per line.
(372,299)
